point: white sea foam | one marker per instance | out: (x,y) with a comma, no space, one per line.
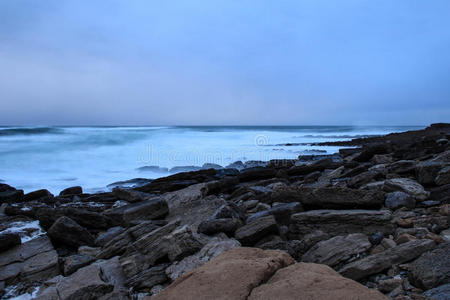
(26,230)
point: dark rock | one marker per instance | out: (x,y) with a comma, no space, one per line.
(320,165)
(337,249)
(396,200)
(408,186)
(281,212)
(376,238)
(432,268)
(239,165)
(92,220)
(156,169)
(74,190)
(37,195)
(349,151)
(439,293)
(213,226)
(440,193)
(148,210)
(256,173)
(379,262)
(427,171)
(227,211)
(370,150)
(443,177)
(8,194)
(224,185)
(130,195)
(361,179)
(148,278)
(256,230)
(338,222)
(9,240)
(74,262)
(107,236)
(211,166)
(184,169)
(131,183)
(402,166)
(68,232)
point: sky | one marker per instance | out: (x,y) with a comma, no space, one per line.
(224,62)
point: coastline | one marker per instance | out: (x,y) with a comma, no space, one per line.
(377,214)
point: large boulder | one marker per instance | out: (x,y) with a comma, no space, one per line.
(408,186)
(74,190)
(303,281)
(231,275)
(254,231)
(68,232)
(337,249)
(8,194)
(33,260)
(39,195)
(338,222)
(432,268)
(379,262)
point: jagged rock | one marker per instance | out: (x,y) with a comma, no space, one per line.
(408,186)
(432,268)
(379,262)
(443,177)
(396,200)
(256,230)
(107,236)
(227,226)
(75,262)
(68,232)
(427,171)
(231,275)
(33,260)
(281,212)
(439,293)
(148,278)
(337,249)
(74,190)
(147,210)
(130,195)
(9,240)
(338,222)
(303,281)
(212,249)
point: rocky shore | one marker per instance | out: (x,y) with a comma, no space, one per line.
(371,222)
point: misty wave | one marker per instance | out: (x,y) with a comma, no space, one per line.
(29,131)
(345,136)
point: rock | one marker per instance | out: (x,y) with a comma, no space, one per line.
(368,151)
(397,200)
(68,232)
(86,283)
(8,194)
(89,251)
(281,212)
(408,186)
(146,210)
(404,238)
(381,159)
(427,171)
(338,222)
(74,190)
(130,195)
(227,226)
(33,260)
(445,234)
(229,210)
(444,210)
(337,249)
(432,268)
(239,165)
(211,166)
(9,240)
(37,195)
(256,173)
(231,275)
(304,281)
(212,249)
(92,220)
(443,177)
(379,262)
(148,278)
(388,285)
(388,243)
(107,236)
(331,197)
(362,179)
(402,166)
(75,262)
(256,230)
(439,293)
(318,165)
(376,238)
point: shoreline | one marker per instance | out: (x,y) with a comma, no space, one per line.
(365,212)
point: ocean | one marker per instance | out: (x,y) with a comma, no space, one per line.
(55,158)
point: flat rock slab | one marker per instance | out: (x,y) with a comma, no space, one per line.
(337,249)
(146,210)
(231,275)
(254,231)
(338,222)
(379,262)
(306,281)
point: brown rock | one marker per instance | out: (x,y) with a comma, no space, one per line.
(304,281)
(445,210)
(404,238)
(405,223)
(231,275)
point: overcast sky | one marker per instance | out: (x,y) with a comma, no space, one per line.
(210,62)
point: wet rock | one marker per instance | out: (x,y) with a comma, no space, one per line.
(68,232)
(304,281)
(9,240)
(74,190)
(256,230)
(397,200)
(227,226)
(75,262)
(408,186)
(146,210)
(337,249)
(231,275)
(338,222)
(432,268)
(379,262)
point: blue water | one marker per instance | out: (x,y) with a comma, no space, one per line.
(93,157)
